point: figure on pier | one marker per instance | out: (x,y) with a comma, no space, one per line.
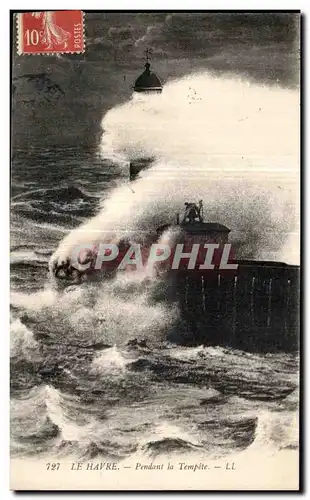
(193,212)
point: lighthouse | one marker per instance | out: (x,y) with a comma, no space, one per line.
(148,82)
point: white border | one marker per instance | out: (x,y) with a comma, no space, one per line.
(161,5)
(5,158)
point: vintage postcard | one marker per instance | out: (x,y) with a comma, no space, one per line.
(155,205)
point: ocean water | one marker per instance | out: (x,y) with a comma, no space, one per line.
(93,373)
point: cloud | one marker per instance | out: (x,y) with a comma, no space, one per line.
(203,33)
(118,34)
(153,33)
(125,37)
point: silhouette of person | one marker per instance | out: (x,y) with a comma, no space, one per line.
(192,212)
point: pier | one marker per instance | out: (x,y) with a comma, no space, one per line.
(255,308)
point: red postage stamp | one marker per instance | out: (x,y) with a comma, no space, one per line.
(51,32)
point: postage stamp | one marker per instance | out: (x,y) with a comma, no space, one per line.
(50,32)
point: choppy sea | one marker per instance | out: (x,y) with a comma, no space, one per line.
(92,371)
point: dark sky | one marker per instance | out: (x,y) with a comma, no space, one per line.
(65,103)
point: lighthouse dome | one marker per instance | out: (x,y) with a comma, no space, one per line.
(148,81)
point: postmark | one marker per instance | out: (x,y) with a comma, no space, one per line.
(50,32)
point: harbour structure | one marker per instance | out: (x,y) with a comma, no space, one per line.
(255,307)
(148,82)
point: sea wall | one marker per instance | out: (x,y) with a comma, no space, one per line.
(255,308)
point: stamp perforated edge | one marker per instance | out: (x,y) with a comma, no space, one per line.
(19,42)
(19,28)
